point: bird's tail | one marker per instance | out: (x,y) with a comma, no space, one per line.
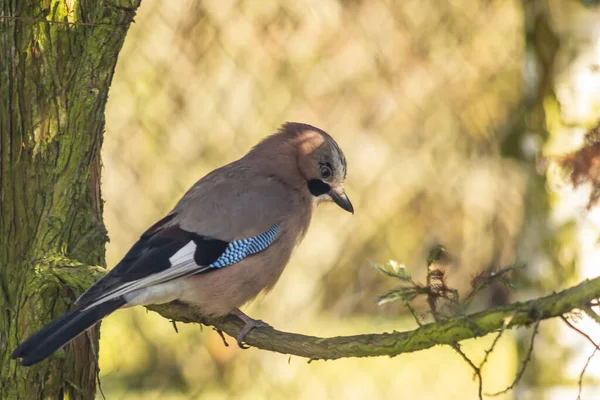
(61,331)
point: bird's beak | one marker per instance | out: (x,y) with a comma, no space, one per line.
(339,197)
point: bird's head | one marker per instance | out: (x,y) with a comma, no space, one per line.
(307,158)
(321,163)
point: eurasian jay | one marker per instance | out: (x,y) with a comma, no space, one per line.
(227,239)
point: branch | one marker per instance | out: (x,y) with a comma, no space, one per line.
(392,344)
(476,369)
(587,363)
(526,361)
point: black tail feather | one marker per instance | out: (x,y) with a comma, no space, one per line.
(61,331)
(38,337)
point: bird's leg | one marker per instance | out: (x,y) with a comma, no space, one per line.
(250,324)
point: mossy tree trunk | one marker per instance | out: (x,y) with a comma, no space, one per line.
(56,63)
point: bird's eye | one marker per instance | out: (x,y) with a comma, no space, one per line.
(325,171)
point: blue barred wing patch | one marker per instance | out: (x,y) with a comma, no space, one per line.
(242,248)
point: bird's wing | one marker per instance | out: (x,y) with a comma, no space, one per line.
(235,202)
(187,242)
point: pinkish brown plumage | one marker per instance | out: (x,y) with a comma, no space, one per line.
(227,239)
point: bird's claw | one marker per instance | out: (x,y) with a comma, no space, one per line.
(250,324)
(220,332)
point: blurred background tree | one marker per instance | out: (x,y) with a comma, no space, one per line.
(562,57)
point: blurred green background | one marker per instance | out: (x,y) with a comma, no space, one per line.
(440,107)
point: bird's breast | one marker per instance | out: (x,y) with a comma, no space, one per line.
(218,292)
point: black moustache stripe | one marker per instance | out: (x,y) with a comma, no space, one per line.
(317,187)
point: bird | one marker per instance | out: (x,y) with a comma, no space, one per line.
(227,240)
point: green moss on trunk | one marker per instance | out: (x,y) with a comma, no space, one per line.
(54,80)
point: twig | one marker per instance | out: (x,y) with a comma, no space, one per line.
(431,298)
(585,335)
(580,383)
(496,339)
(491,349)
(479,282)
(476,369)
(413,312)
(591,313)
(88,335)
(524,365)
(220,332)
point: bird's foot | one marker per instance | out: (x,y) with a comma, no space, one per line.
(249,324)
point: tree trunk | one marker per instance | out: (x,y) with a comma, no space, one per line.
(57,61)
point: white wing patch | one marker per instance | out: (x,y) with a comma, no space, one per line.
(184,254)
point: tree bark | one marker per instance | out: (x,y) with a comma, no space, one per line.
(58,59)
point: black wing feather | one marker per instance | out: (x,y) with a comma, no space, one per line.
(150,255)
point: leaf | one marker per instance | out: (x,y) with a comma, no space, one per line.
(406,293)
(394,270)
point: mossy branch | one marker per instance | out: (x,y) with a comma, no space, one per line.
(391,344)
(447,332)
